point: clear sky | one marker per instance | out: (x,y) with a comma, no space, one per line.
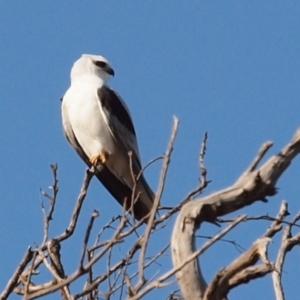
(231,68)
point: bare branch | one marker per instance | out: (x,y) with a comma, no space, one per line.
(79,272)
(129,272)
(54,255)
(261,153)
(163,175)
(83,191)
(185,261)
(235,272)
(52,199)
(203,181)
(252,186)
(27,280)
(95,214)
(13,282)
(287,244)
(276,224)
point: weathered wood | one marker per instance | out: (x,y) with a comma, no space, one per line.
(253,185)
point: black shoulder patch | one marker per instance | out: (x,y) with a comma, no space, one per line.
(111,102)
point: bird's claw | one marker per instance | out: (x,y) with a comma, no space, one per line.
(99,158)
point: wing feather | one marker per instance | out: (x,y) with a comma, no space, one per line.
(119,122)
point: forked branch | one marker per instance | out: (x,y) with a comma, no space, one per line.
(253,185)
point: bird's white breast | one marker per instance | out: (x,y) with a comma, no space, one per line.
(87,120)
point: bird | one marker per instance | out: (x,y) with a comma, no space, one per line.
(98,125)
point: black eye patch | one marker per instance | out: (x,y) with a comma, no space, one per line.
(100,64)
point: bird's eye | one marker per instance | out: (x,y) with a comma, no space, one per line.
(101,64)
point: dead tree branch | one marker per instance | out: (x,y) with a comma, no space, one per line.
(253,185)
(288,242)
(127,273)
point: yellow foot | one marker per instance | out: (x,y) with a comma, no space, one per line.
(99,158)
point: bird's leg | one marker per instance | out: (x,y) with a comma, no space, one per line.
(99,158)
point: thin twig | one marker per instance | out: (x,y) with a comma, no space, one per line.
(203,182)
(26,286)
(83,191)
(170,273)
(52,199)
(12,283)
(262,151)
(95,214)
(287,244)
(163,175)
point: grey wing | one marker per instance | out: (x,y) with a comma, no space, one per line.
(119,122)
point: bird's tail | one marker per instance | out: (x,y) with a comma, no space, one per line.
(139,205)
(144,199)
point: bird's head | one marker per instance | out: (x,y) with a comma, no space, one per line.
(89,66)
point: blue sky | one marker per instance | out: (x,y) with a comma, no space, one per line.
(231,68)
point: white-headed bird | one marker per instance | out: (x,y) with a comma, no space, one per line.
(98,125)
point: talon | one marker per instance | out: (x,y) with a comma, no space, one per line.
(99,158)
